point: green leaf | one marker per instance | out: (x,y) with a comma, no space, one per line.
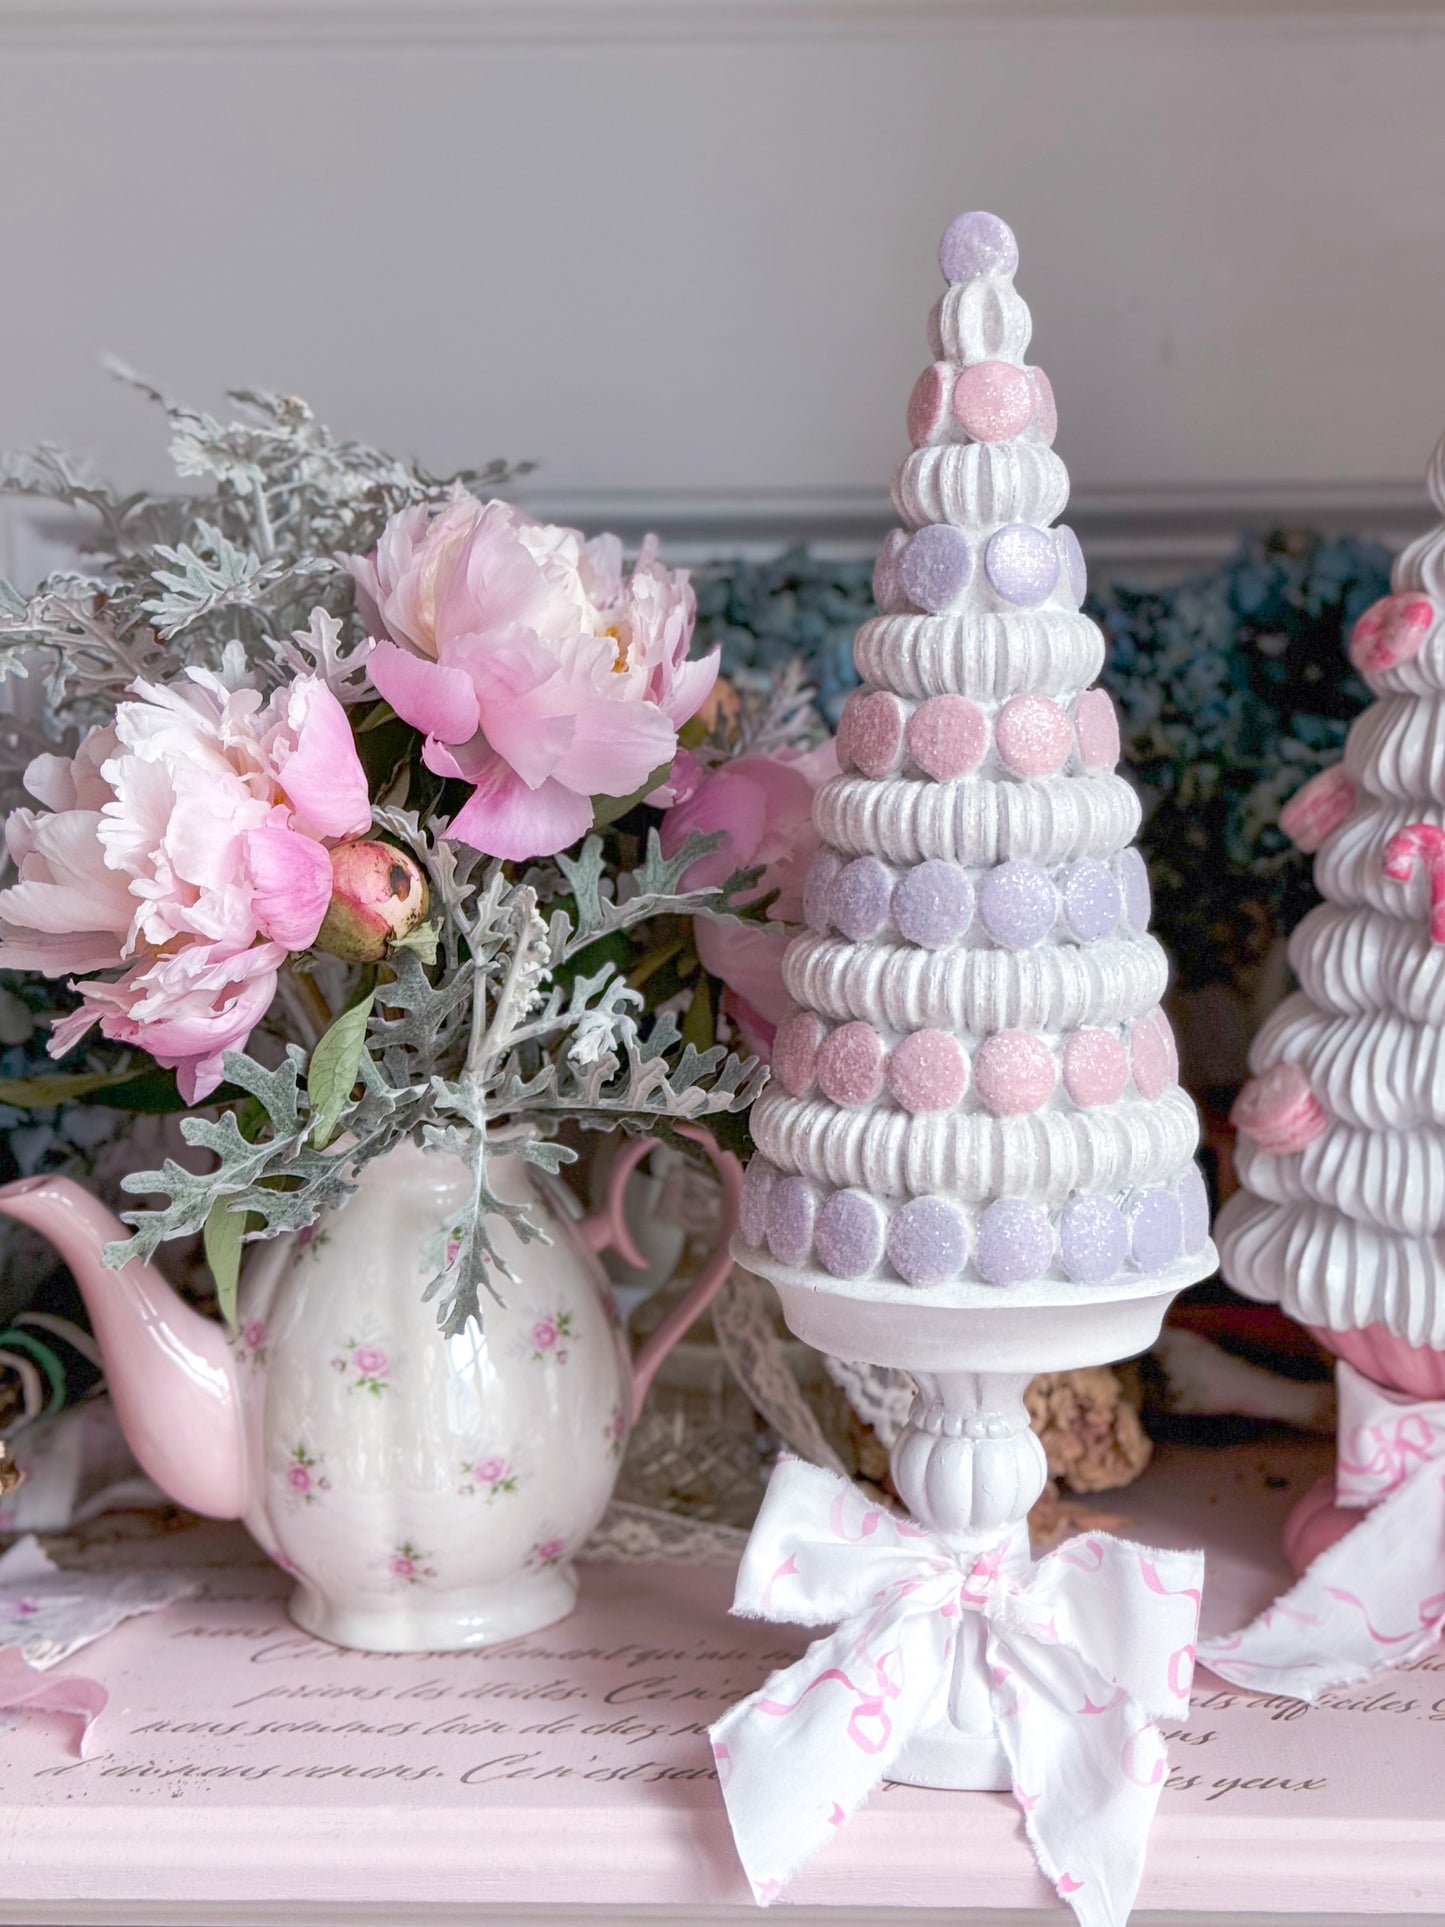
(334,1068)
(607,809)
(61,1087)
(222,1234)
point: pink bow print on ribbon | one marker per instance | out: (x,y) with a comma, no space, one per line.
(1084,1651)
(1375,1598)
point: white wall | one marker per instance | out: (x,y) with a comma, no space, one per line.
(681,251)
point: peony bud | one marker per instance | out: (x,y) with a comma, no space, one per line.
(378,894)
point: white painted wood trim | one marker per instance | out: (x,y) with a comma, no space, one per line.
(86,25)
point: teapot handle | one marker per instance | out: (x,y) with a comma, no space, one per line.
(607,1227)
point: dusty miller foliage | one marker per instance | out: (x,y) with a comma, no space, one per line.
(486,1029)
(249,550)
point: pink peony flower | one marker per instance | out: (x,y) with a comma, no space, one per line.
(371,1361)
(764,804)
(402,1567)
(544,1335)
(183,846)
(298,1478)
(536,670)
(253,1335)
(549,1551)
(490,1471)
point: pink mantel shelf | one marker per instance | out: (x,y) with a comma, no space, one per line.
(244,1771)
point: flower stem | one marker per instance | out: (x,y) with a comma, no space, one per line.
(301,998)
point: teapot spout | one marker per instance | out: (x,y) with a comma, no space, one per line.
(170,1371)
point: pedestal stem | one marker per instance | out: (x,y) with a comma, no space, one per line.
(969,1466)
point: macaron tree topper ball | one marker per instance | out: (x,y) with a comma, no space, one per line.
(974,1161)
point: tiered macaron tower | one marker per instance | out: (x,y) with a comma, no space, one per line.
(1341,1153)
(974,1160)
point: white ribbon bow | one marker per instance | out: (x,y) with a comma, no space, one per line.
(1375,1598)
(1084,1651)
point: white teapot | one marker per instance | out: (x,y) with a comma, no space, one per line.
(426,1492)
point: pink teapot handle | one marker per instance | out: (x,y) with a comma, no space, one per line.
(607,1228)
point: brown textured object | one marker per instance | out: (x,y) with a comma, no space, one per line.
(1090,1428)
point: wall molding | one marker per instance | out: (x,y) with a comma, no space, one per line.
(1147,534)
(81,26)
(1153,531)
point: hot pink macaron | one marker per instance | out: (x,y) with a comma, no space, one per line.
(1279,1111)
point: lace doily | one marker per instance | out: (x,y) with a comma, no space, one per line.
(881,1396)
(748,1340)
(632,1535)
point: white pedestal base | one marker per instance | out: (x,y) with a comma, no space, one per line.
(968,1464)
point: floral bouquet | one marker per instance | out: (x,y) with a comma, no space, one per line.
(362,807)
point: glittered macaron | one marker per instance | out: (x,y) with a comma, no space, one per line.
(850,1065)
(858,902)
(818,891)
(935,568)
(928,404)
(927,1241)
(1015,1242)
(1156,1230)
(886,592)
(1093,1240)
(1018,904)
(792,1213)
(927,1071)
(1134,888)
(993,401)
(758,1181)
(1033,736)
(1014,1073)
(1096,1068)
(875,740)
(977,244)
(1096,726)
(947,737)
(1092,900)
(1022,564)
(849,1234)
(933,905)
(795,1051)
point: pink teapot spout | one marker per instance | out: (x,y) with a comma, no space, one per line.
(170,1370)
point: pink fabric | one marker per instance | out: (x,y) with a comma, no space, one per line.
(1085,1650)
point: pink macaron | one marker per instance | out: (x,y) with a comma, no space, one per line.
(1278,1111)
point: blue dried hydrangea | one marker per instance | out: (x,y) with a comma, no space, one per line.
(1232,688)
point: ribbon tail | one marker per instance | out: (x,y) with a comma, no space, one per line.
(1374,1599)
(1088,1767)
(797,1759)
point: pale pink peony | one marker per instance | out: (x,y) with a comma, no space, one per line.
(298,1478)
(544,1335)
(371,1361)
(537,671)
(491,1471)
(764,804)
(183,846)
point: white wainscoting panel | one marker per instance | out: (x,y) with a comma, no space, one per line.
(681,251)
